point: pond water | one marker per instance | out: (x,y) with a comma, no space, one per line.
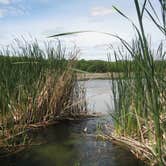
(99,95)
(67,145)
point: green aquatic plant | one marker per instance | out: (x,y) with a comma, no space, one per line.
(140,96)
(37,85)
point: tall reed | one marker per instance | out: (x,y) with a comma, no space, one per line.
(140,97)
(37,85)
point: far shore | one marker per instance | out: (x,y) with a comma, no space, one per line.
(93,76)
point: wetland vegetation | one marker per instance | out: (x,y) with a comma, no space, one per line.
(140,100)
(39,87)
(140,95)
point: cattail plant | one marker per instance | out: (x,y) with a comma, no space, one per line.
(139,92)
(140,95)
(36,86)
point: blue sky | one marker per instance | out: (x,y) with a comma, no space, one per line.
(41,18)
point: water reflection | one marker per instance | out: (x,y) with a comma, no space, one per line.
(99,95)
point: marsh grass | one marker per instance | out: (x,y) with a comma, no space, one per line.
(37,85)
(140,97)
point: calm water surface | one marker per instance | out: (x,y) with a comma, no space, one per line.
(67,145)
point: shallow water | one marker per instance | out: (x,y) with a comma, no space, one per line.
(99,95)
(67,145)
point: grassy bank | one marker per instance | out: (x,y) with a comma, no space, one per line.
(37,85)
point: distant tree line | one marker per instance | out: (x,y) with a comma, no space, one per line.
(100,66)
(92,66)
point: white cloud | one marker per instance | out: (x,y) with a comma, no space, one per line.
(12,8)
(17,11)
(12,11)
(6,2)
(101,11)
